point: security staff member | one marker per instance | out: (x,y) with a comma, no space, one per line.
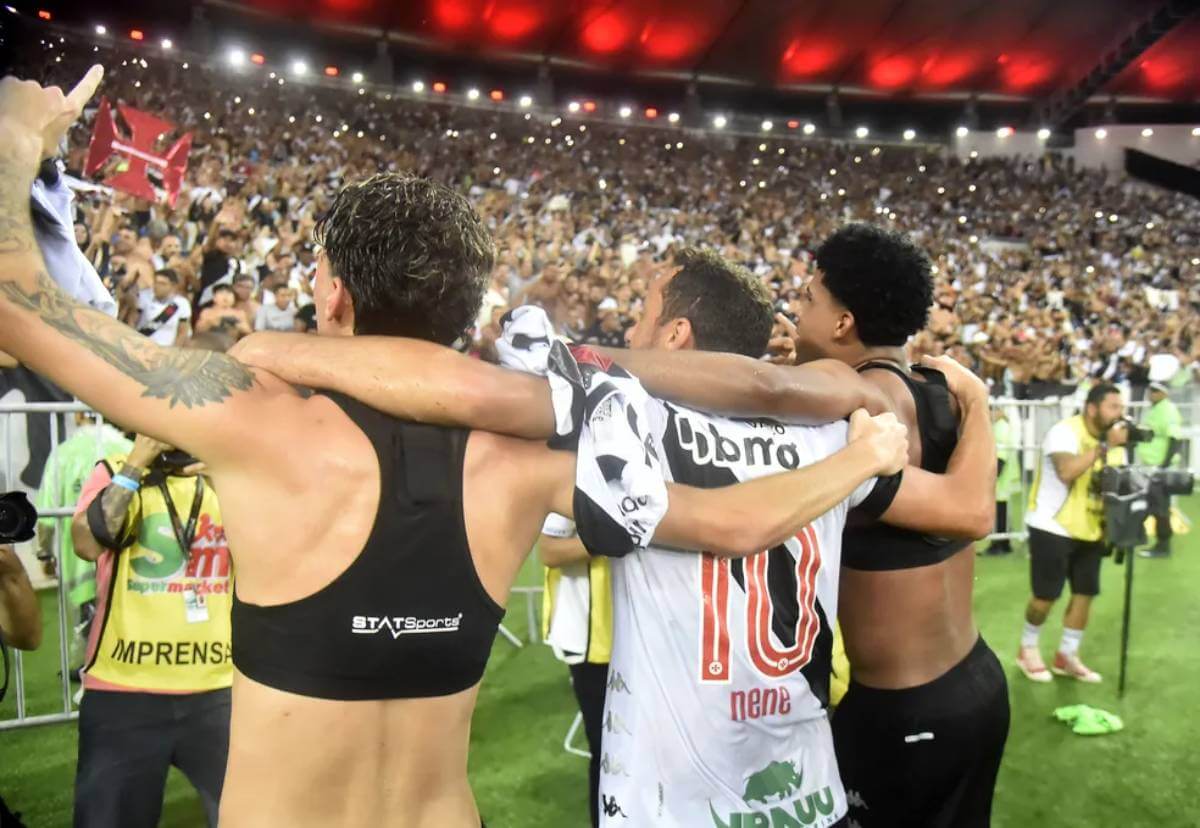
(1066,531)
(157,673)
(1164,420)
(577,624)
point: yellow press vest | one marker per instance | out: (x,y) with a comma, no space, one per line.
(1082,513)
(164,616)
(599,648)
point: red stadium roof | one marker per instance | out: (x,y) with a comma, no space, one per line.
(1023,48)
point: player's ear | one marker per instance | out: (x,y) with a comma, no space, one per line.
(680,336)
(843,324)
(339,307)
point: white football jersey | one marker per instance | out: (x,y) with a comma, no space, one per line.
(719,680)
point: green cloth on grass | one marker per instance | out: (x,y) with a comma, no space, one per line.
(1089,721)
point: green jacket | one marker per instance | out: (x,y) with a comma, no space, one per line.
(1164,419)
(75,458)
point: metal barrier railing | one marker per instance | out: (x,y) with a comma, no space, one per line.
(1032,418)
(61,516)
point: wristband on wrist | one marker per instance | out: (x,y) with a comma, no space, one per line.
(126,482)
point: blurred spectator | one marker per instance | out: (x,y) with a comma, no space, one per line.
(280,315)
(164,315)
(223,316)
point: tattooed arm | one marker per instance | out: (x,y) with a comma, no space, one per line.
(203,402)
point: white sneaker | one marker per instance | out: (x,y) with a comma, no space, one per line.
(1031,664)
(1070,665)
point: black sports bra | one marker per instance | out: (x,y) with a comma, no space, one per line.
(409,617)
(870,545)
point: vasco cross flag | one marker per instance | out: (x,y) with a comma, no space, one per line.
(133,176)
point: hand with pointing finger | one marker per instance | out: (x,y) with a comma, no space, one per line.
(33,118)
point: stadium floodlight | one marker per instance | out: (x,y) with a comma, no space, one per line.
(166,44)
(101,30)
(625,111)
(472,94)
(720,121)
(862,132)
(357,77)
(810,128)
(525,101)
(910,134)
(961,132)
(1196,132)
(236,57)
(418,86)
(973,239)
(299,68)
(573,106)
(1101,134)
(673,117)
(1147,132)
(1004,132)
(767,126)
(1043,134)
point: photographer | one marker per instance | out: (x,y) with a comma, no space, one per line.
(158,673)
(1164,421)
(1065,522)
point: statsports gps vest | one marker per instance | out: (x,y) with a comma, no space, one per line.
(869,545)
(409,617)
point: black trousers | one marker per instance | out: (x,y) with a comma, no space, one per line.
(128,742)
(925,757)
(1162,525)
(37,426)
(590,682)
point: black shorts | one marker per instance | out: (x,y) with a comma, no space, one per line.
(925,757)
(1053,558)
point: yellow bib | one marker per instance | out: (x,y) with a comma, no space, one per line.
(166,621)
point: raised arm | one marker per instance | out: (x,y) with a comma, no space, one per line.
(408,378)
(197,400)
(738,386)
(961,502)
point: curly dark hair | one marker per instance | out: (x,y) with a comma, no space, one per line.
(414,255)
(882,278)
(730,310)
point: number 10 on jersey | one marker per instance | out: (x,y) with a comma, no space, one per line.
(770,660)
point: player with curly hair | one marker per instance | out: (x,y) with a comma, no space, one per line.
(926,692)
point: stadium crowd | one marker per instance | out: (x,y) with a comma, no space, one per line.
(1046,273)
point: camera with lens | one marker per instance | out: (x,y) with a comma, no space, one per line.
(1136,434)
(173,461)
(18,518)
(1131,493)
